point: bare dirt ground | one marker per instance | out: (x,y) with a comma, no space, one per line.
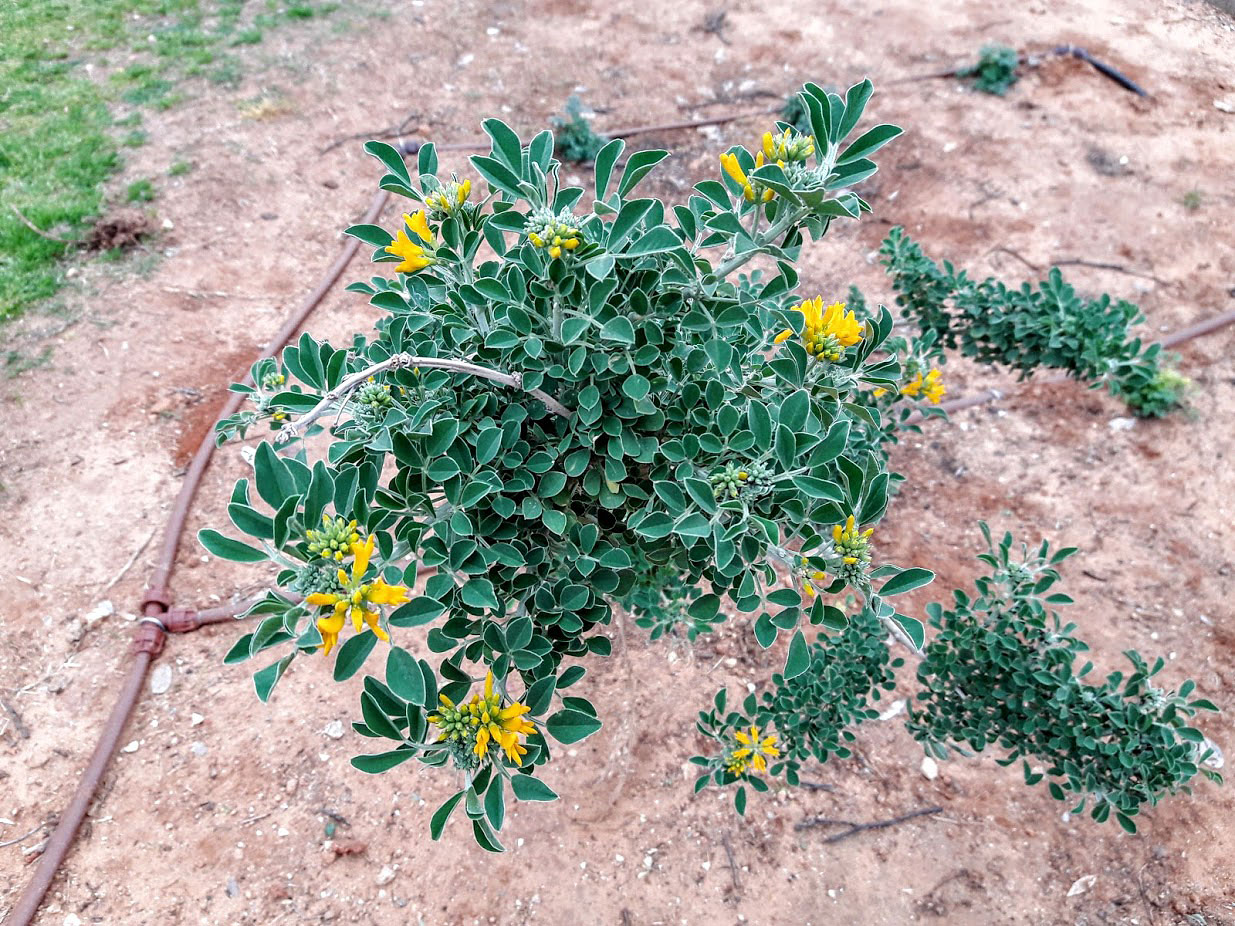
(218,810)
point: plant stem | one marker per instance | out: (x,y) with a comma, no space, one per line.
(514,380)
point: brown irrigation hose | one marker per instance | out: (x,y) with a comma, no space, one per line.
(158,617)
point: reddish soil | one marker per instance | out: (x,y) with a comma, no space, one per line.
(219,813)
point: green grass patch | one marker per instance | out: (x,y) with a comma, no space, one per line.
(60,132)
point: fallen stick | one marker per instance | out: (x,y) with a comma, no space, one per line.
(855,828)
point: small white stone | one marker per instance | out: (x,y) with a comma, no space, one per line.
(72,919)
(619,859)
(334,729)
(1082,884)
(168,224)
(1121,424)
(161,679)
(465,60)
(1226,105)
(930,768)
(198,749)
(130,746)
(196,720)
(386,875)
(895,708)
(99,611)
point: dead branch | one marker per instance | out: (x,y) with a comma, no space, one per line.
(854,827)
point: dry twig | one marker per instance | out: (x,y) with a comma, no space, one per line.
(22,730)
(733,866)
(38,231)
(854,828)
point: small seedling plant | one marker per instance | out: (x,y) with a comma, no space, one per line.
(573,401)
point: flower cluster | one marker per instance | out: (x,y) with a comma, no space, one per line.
(372,399)
(789,146)
(483,729)
(853,546)
(555,232)
(334,540)
(272,381)
(749,752)
(825,332)
(449,198)
(929,388)
(358,598)
(415,256)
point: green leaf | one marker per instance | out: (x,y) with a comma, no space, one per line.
(485,837)
(570,726)
(498,175)
(382,761)
(540,695)
(390,158)
(618,329)
(798,660)
(869,143)
(495,803)
(637,167)
(265,680)
(479,593)
(765,631)
(370,234)
(659,239)
(913,628)
(692,525)
(506,142)
(229,549)
(906,581)
(438,821)
(605,159)
(527,788)
(418,611)
(352,655)
(628,218)
(819,488)
(403,676)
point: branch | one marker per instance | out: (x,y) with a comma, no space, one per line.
(899,633)
(855,828)
(514,380)
(38,231)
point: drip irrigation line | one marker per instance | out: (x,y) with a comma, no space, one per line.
(411,146)
(1073,51)
(158,616)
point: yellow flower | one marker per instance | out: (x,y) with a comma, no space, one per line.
(930,388)
(358,600)
(415,257)
(750,752)
(729,162)
(484,722)
(825,332)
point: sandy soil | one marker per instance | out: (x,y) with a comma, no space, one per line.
(218,812)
